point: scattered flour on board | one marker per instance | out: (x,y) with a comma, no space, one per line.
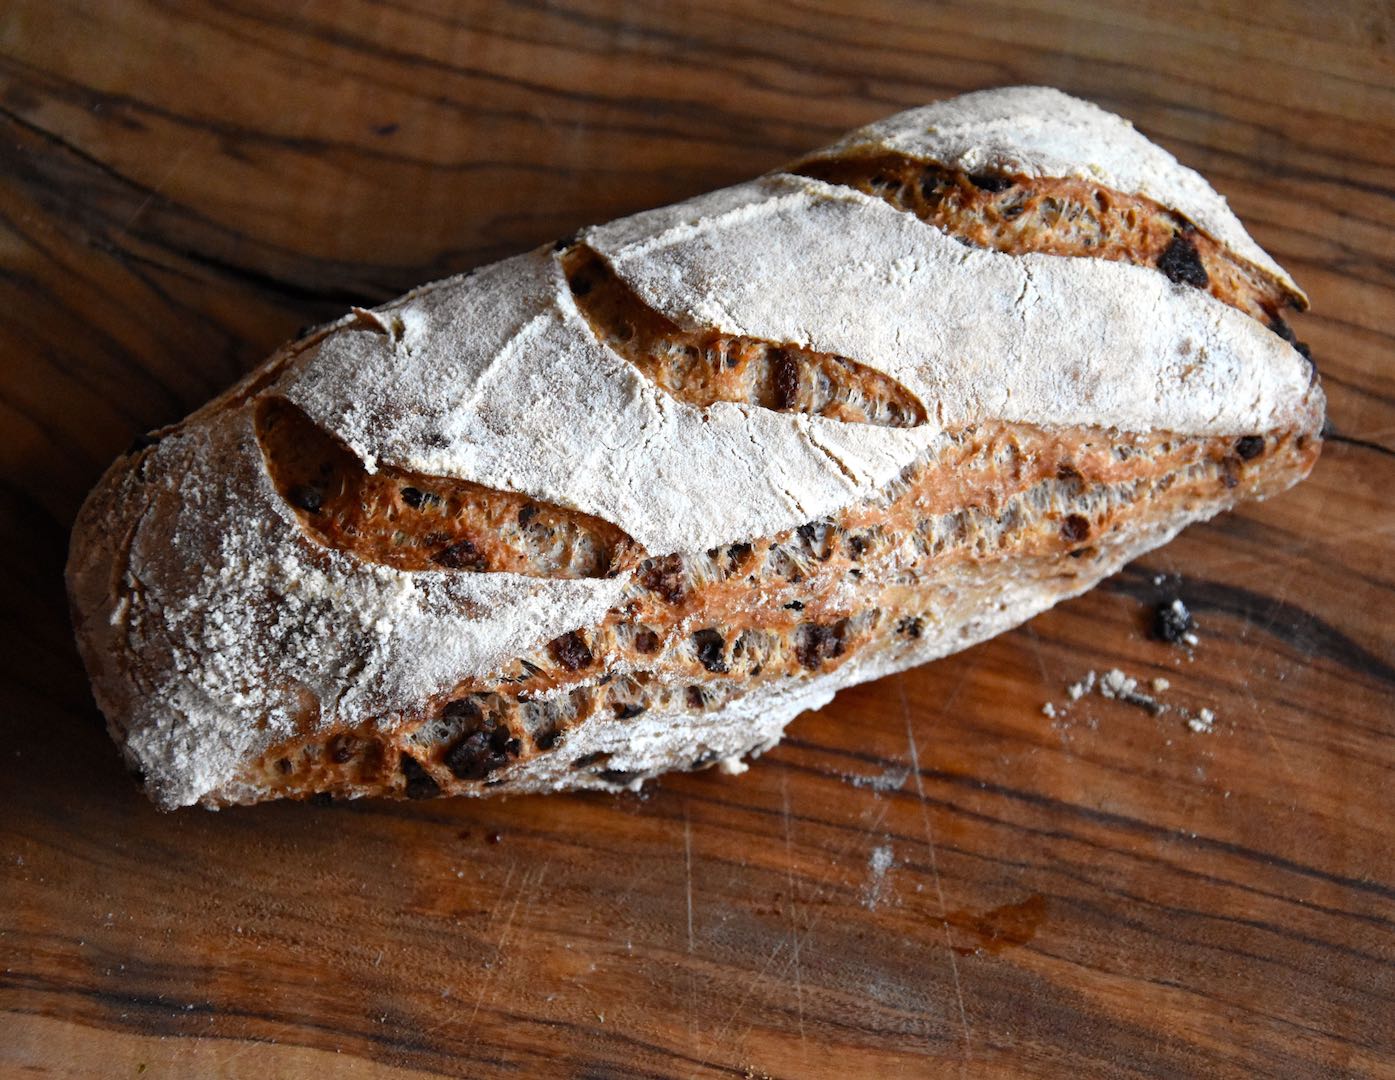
(881,860)
(890,779)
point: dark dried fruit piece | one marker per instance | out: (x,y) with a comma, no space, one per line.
(306,498)
(600,757)
(629,710)
(817,643)
(990,182)
(1075,528)
(1181,263)
(646,641)
(786,370)
(549,739)
(343,748)
(480,751)
(581,283)
(462,555)
(1285,331)
(465,711)
(664,576)
(711,650)
(420,783)
(1172,622)
(571,651)
(911,626)
(413,497)
(1249,447)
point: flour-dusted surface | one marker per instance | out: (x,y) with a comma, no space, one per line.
(976,334)
(1039,131)
(218,629)
(240,632)
(498,379)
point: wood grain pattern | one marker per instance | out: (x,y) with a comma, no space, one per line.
(930,876)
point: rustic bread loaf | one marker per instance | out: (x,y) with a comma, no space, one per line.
(632,502)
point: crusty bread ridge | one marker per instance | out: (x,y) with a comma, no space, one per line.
(632,502)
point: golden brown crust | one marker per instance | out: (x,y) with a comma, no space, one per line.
(1007,500)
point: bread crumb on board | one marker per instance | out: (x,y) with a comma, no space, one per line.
(1116,685)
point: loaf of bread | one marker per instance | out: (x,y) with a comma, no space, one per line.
(632,502)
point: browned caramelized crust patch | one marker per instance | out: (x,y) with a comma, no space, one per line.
(1059,217)
(1005,503)
(416,522)
(702,367)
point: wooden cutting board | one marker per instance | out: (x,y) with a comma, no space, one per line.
(930,876)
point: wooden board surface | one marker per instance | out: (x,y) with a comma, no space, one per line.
(930,877)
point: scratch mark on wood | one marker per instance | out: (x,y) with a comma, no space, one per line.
(799,939)
(688,866)
(935,866)
(490,979)
(794,927)
(693,1026)
(155,191)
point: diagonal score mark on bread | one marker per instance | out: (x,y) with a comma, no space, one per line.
(931,556)
(702,367)
(1056,216)
(413,521)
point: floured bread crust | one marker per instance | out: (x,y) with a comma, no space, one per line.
(633,502)
(1037,131)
